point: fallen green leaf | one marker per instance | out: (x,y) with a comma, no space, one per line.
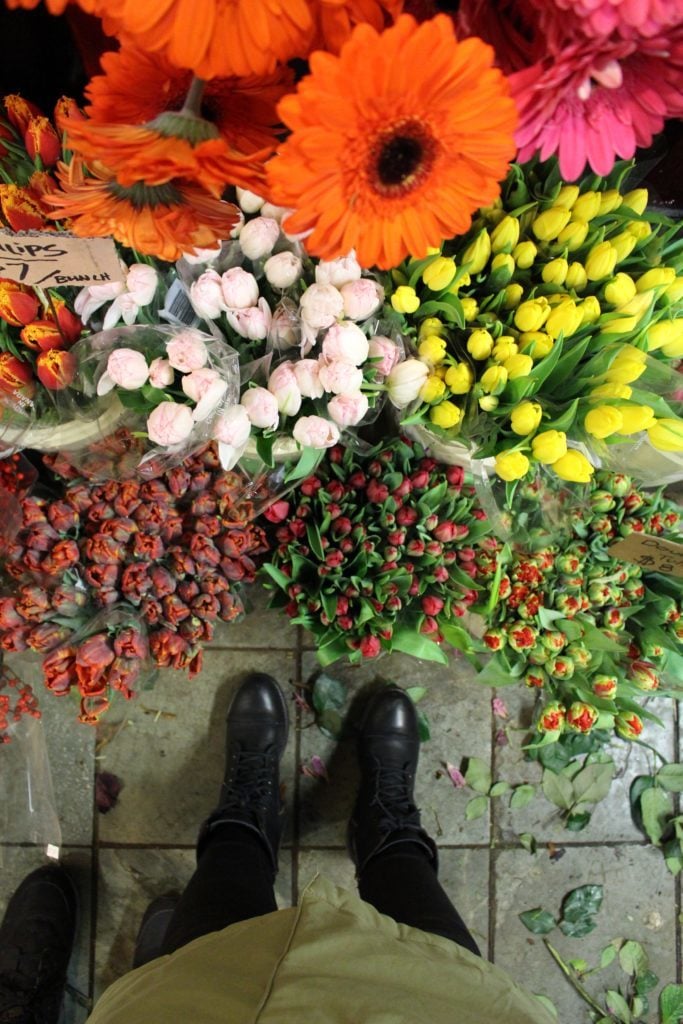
(522,795)
(538,921)
(478,775)
(617,1005)
(528,841)
(476,807)
(581,902)
(558,789)
(670,776)
(633,958)
(671,1004)
(577,929)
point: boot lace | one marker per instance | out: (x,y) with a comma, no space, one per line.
(251,780)
(393,796)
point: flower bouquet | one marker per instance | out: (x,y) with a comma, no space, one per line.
(164,558)
(590,632)
(165,390)
(534,331)
(377,554)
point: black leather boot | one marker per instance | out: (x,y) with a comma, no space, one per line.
(257,727)
(385,813)
(36,938)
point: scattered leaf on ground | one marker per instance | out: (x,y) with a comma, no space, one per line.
(538,921)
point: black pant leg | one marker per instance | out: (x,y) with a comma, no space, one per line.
(402,883)
(233,881)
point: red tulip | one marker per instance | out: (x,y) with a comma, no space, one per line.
(18,304)
(20,111)
(21,209)
(66,109)
(41,336)
(15,375)
(42,141)
(56,369)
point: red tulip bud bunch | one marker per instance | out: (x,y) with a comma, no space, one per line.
(578,624)
(17,701)
(172,552)
(377,553)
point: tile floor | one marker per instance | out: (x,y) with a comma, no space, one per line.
(166,748)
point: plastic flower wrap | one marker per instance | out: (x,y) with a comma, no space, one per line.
(156,394)
(548,310)
(377,554)
(591,632)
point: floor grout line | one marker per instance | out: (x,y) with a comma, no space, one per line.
(677,884)
(491,952)
(296,808)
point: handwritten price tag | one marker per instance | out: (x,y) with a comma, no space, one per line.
(652,553)
(49,259)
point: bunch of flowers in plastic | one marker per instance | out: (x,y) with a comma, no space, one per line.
(557,319)
(377,553)
(169,552)
(592,632)
(17,700)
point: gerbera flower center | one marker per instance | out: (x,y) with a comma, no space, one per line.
(141,195)
(401,158)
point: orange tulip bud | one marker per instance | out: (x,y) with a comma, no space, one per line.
(18,304)
(20,111)
(15,374)
(21,210)
(56,369)
(70,325)
(41,140)
(42,335)
(66,109)
(41,183)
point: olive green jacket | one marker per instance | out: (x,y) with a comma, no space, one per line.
(332,960)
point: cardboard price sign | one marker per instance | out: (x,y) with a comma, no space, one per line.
(50,259)
(654,554)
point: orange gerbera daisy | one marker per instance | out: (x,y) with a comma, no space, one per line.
(163,220)
(336,19)
(394,143)
(218,38)
(136,87)
(154,154)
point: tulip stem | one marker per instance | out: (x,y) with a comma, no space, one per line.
(193,100)
(569,974)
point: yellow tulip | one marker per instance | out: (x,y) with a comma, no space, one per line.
(536,344)
(630,315)
(469,309)
(513,295)
(548,224)
(623,244)
(438,274)
(620,290)
(464,281)
(405,300)
(511,465)
(636,200)
(664,332)
(603,421)
(555,272)
(610,200)
(573,467)
(601,261)
(480,344)
(505,347)
(674,293)
(518,366)
(635,418)
(505,235)
(532,314)
(477,253)
(488,403)
(432,390)
(549,446)
(432,350)
(590,310)
(574,235)
(587,206)
(460,378)
(525,418)
(607,391)
(577,278)
(524,254)
(494,379)
(565,318)
(625,371)
(431,325)
(503,266)
(567,196)
(666,435)
(655,278)
(673,349)
(445,415)
(640,229)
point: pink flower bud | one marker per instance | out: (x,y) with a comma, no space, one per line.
(253,323)
(348,410)
(321,305)
(315,432)
(207,388)
(141,282)
(283,384)
(187,351)
(258,237)
(160,373)
(232,427)
(261,407)
(206,295)
(239,288)
(307,373)
(340,378)
(386,351)
(127,368)
(361,298)
(338,272)
(283,270)
(170,423)
(345,342)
